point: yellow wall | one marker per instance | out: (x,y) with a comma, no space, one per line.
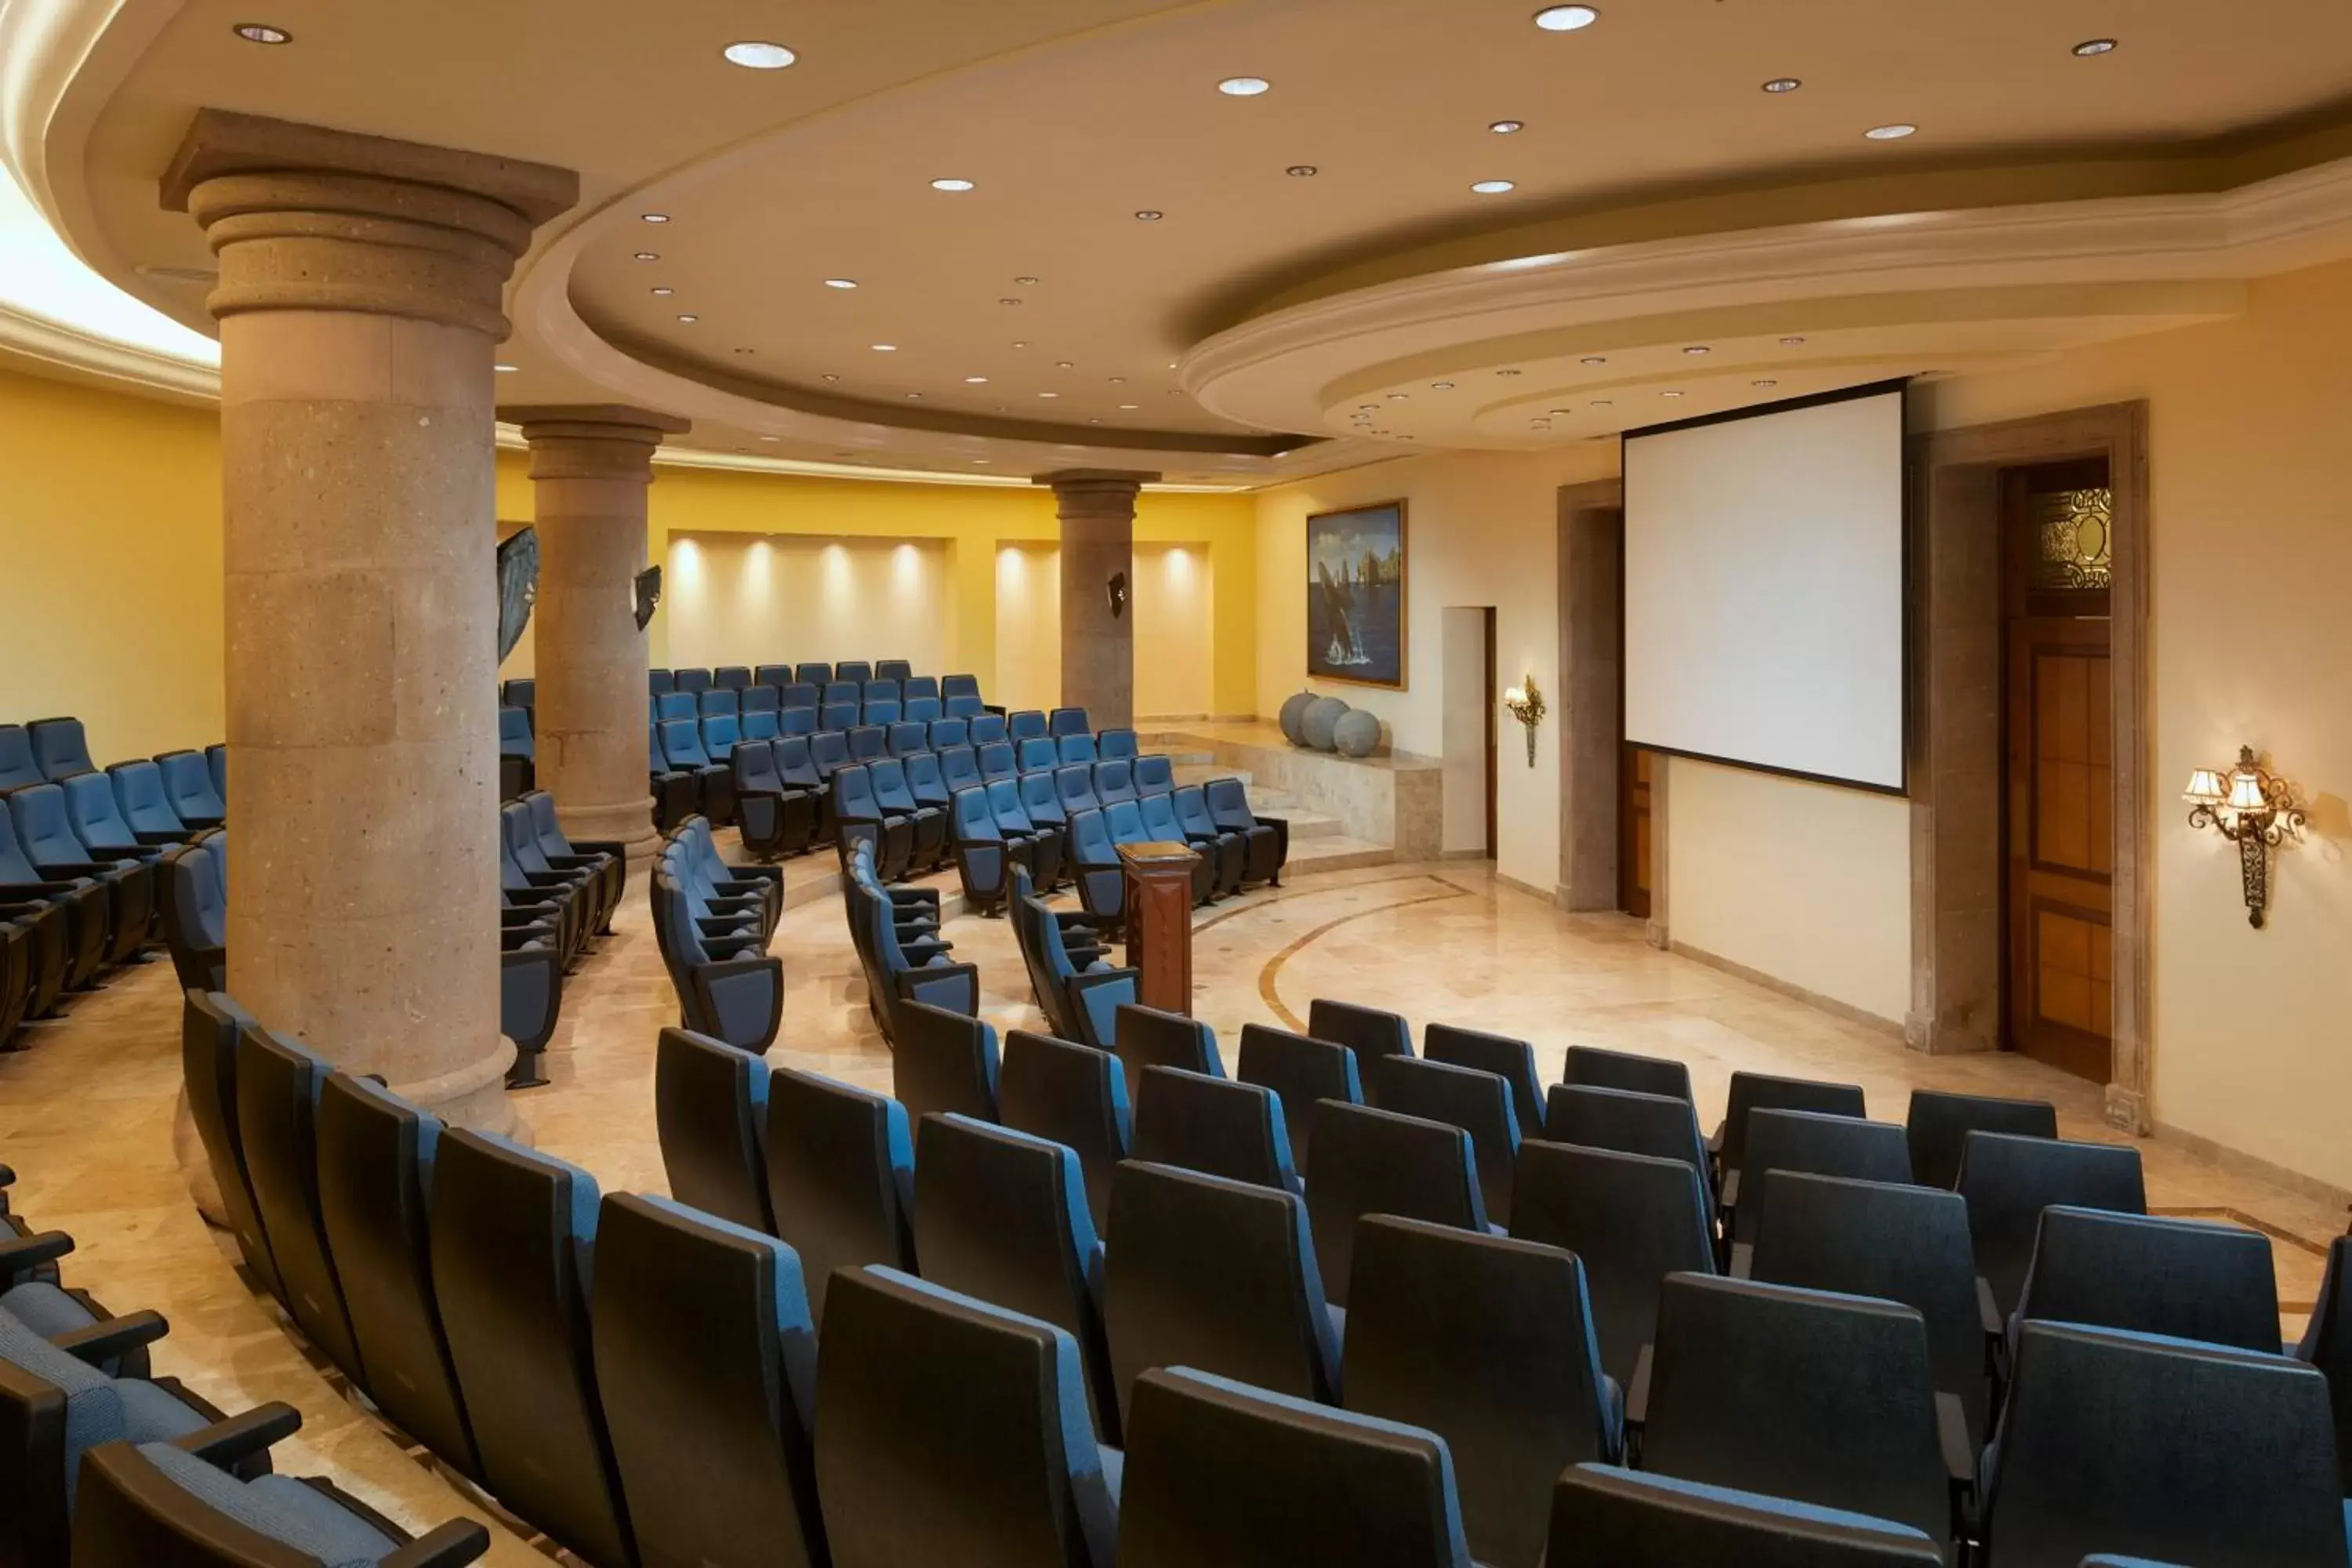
(1173,597)
(753,599)
(111,552)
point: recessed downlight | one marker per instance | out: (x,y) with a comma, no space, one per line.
(648,256)
(951,184)
(772,437)
(1493,187)
(1894,132)
(1244,86)
(662,291)
(506,369)
(1149,215)
(1118,381)
(1010,299)
(1301,171)
(975,381)
(1594,358)
(1604,403)
(1441,386)
(1780,84)
(914,394)
(1698,349)
(1049,394)
(1767,381)
(689,317)
(1367,407)
(841,283)
(1669,394)
(1065,365)
(753,54)
(1026,282)
(2090,46)
(1507,127)
(1560,413)
(828,376)
(1020,345)
(1566,18)
(1128,407)
(654,217)
(262,33)
(1791,343)
(884,348)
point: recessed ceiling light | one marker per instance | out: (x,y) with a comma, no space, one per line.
(1065,364)
(649,256)
(1010,299)
(1669,394)
(689,317)
(1566,18)
(1049,394)
(982,461)
(1698,349)
(830,376)
(1890,132)
(1441,386)
(1507,127)
(1025,282)
(662,291)
(1398,396)
(1128,407)
(1094,421)
(841,283)
(975,381)
(506,368)
(1507,372)
(1595,359)
(951,184)
(1118,381)
(1782,84)
(914,394)
(654,217)
(1366,406)
(1602,403)
(262,33)
(1493,187)
(1301,171)
(2090,46)
(884,348)
(1020,345)
(1791,343)
(1244,86)
(1561,412)
(772,437)
(1767,382)
(754,55)
(1148,215)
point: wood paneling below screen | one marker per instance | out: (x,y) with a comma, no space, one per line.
(1633,855)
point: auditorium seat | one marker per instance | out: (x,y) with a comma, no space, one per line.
(46,838)
(146,806)
(1154,774)
(960,768)
(895,974)
(1159,825)
(188,785)
(60,748)
(1080,1001)
(1300,1070)
(693,682)
(1811,1142)
(1510,1059)
(2170,1449)
(898,670)
(906,739)
(774,677)
(210,1024)
(1907,1243)
(513,1231)
(1117,743)
(774,818)
(2008,1180)
(706,1366)
(920,712)
(1203,1271)
(1064,722)
(990,730)
(879,689)
(961,705)
(1477,1103)
(377,1155)
(1293,1483)
(868,743)
(1605,1517)
(2185,1278)
(1001,1216)
(217,764)
(681,741)
(677,793)
(278,1084)
(841,708)
(1489,1343)
(760,724)
(608,857)
(970,1414)
(82,907)
(1631,1218)
(1148,1036)
(660,683)
(1369,1160)
(930,787)
(718,702)
(710,1116)
(1013,820)
(944,1062)
(195,911)
(813,675)
(1075,749)
(676,705)
(1027,724)
(1940,1121)
(1095,837)
(585,886)
(726,987)
(1752,1092)
(599,877)
(1268,837)
(828,754)
(730,676)
(895,794)
(861,817)
(1074,786)
(18,766)
(1215,1125)
(947,734)
(517,753)
(1822,1398)
(1072,1095)
(853,672)
(1226,853)
(879,713)
(841,1174)
(994,760)
(1113,782)
(96,816)
(1598,1068)
(1043,805)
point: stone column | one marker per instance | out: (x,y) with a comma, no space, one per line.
(1097,506)
(360,304)
(590,465)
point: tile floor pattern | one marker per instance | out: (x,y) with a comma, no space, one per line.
(86,1109)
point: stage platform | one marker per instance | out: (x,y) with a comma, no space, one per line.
(1387,806)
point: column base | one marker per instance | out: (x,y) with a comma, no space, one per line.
(473,1096)
(629,824)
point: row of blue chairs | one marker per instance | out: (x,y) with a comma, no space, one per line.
(712,922)
(741,677)
(924,728)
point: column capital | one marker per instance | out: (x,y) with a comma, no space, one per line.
(1096,492)
(592,440)
(305,218)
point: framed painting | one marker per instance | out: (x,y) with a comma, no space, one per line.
(1355,595)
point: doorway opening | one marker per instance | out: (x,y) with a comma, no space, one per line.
(1472,698)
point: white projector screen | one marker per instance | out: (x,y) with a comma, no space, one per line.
(1764,589)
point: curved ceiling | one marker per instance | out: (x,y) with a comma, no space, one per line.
(1268,322)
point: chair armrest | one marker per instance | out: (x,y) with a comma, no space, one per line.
(35,890)
(450,1545)
(922,950)
(1952,1434)
(1728,1199)
(585,848)
(224,1443)
(1996,1332)
(1743,1259)
(1637,1396)
(731,946)
(907,898)
(21,1254)
(159,839)
(110,1338)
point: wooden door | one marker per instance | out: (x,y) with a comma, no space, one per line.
(1494,747)
(1634,830)
(2061,773)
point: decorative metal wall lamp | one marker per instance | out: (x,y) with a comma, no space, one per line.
(2255,810)
(1526,705)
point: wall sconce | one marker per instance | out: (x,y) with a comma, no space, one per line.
(1526,705)
(2253,810)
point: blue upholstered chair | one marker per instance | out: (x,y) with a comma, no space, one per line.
(710,1115)
(18,767)
(761,723)
(1064,722)
(1511,1059)
(1218,1126)
(914,686)
(720,731)
(1036,755)
(853,672)
(1095,863)
(44,837)
(1267,838)
(1013,820)
(727,986)
(727,699)
(948,734)
(693,682)
(193,898)
(1114,782)
(1069,1094)
(880,711)
(1116,745)
(1155,774)
(1226,852)
(812,673)
(1300,1070)
(659,683)
(841,1176)
(730,678)
(1939,1122)
(988,728)
(995,759)
(1162,824)
(1369,1160)
(1043,805)
(61,747)
(1148,1037)
(841,708)
(801,693)
(959,765)
(278,1084)
(907,738)
(774,677)
(1809,1140)
(1074,786)
(677,793)
(878,689)
(868,743)
(920,710)
(1754,1091)
(676,705)
(1076,748)
(828,754)
(217,764)
(1027,724)
(681,741)
(1664,1126)
(898,670)
(1477,1102)
(898,971)
(1080,999)
(2009,1180)
(1607,1517)
(861,818)
(2188,1278)
(893,793)
(763,698)
(985,853)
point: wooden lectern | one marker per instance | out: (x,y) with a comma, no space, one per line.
(1160,922)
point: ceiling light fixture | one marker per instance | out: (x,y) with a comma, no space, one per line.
(1128,407)
(772,437)
(649,256)
(1566,18)
(982,461)
(654,217)
(1791,343)
(1244,86)
(1049,394)
(975,381)
(1398,396)
(1025,282)
(689,317)
(506,369)
(829,377)
(914,394)
(1780,84)
(884,348)
(1493,187)
(1507,127)
(1890,132)
(2090,46)
(1148,215)
(1698,349)
(1010,299)
(1441,386)
(1767,382)
(662,291)
(841,283)
(1301,171)
(262,33)
(951,184)
(753,55)
(1594,358)
(1020,345)
(1560,413)
(1065,365)
(1118,381)
(1669,394)
(1602,403)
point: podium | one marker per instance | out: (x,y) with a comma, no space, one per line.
(1159,921)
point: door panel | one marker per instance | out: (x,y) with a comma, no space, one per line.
(1634,828)
(2061,843)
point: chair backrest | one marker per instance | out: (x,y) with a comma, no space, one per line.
(1300,1070)
(854,672)
(1600,1069)
(828,752)
(1823,1145)
(2009,1180)
(706,1366)
(1199,1122)
(1155,774)
(891,790)
(727,699)
(976,1411)
(1064,722)
(1148,1036)
(762,700)
(811,674)
(43,826)
(906,739)
(1035,753)
(210,1024)
(943,1061)
(754,762)
(995,761)
(1005,804)
(987,729)
(1207,1272)
(1075,785)
(1477,1102)
(139,790)
(878,689)
(1488,1341)
(1293,1482)
(1939,1122)
(1026,723)
(881,712)
(2189,1278)
(61,748)
(2140,1445)
(710,1113)
(775,676)
(957,766)
(1604,1517)
(869,743)
(512,1234)
(695,681)
(676,705)
(681,742)
(376,1156)
(1752,1092)
(97,816)
(1229,803)
(279,1081)
(1906,1244)
(1073,1095)
(18,766)
(2328,1345)
(1366,1031)
(1160,818)
(1376,1161)
(899,669)
(1077,750)
(1001,1216)
(841,1172)
(1109,743)
(1511,1059)
(948,733)
(1039,800)
(1632,1218)
(959,685)
(1629,1121)
(1114,782)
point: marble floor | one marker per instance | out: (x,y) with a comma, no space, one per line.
(86,1108)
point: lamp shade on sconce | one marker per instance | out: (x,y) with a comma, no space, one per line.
(2205,788)
(1514,696)
(2246,792)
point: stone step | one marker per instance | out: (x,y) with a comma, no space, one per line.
(1304,825)
(1333,852)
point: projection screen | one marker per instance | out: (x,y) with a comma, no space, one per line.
(1764,589)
